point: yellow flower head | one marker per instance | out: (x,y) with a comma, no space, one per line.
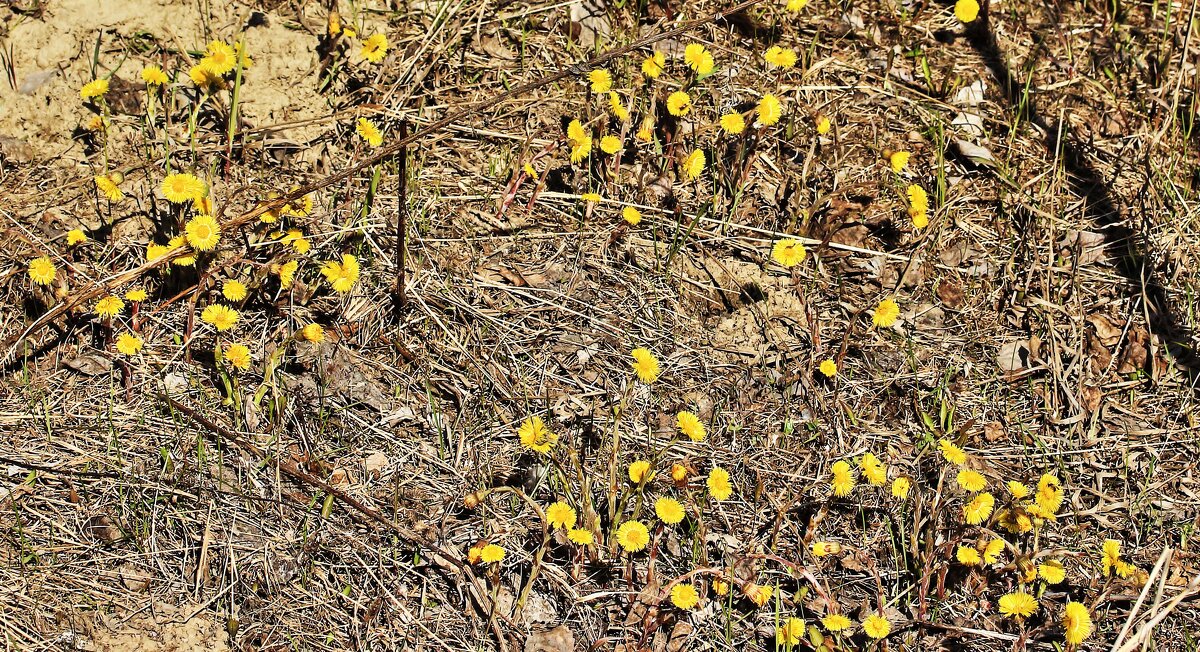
(1110,555)
(822,549)
(876,626)
(952,453)
(591,197)
(918,206)
(653,65)
(823,125)
(1077,622)
(645,133)
(610,145)
(780,57)
(576,131)
(287,273)
(639,471)
(128,344)
(901,487)
(720,587)
(581,537)
(699,59)
(719,486)
(843,479)
(1049,494)
(312,333)
(219,58)
(75,236)
(1014,520)
(203,232)
(733,123)
(530,171)
(238,356)
(645,365)
(788,252)
(374,48)
(560,515)
(1018,490)
(221,317)
(693,165)
(679,473)
(979,508)
(992,550)
(109,306)
(154,76)
(966,10)
(633,536)
(679,103)
(342,276)
(790,633)
(690,425)
(968,556)
(581,149)
(601,80)
(491,554)
(873,470)
(180,188)
(795,6)
(971,480)
(836,622)
(296,239)
(1018,605)
(631,215)
(535,436)
(205,78)
(1052,571)
(828,368)
(758,594)
(769,110)
(898,161)
(684,596)
(233,290)
(619,110)
(108,187)
(885,314)
(368,132)
(42,271)
(668,510)
(94,88)
(475,552)
(136,295)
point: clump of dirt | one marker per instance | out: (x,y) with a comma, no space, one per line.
(163,628)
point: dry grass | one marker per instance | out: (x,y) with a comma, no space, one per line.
(1077,241)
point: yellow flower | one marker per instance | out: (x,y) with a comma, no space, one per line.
(1049,493)
(631,215)
(136,294)
(952,453)
(1014,520)
(581,537)
(719,486)
(790,633)
(219,58)
(560,515)
(203,232)
(94,88)
(843,480)
(154,76)
(693,165)
(653,65)
(794,6)
(221,317)
(610,145)
(885,313)
(287,273)
(619,110)
(492,554)
(234,290)
(591,197)
(97,123)
(873,470)
(788,252)
(668,510)
(530,171)
(645,365)
(128,344)
(684,596)
(918,206)
(769,110)
(780,57)
(109,306)
(992,551)
(296,239)
(758,594)
(374,48)
(581,149)
(967,555)
(876,626)
(601,80)
(576,132)
(475,552)
(633,536)
(679,103)
(823,125)
(1017,489)
(836,622)
(1110,555)
(75,236)
(535,436)
(156,251)
(108,187)
(720,587)
(898,161)
(312,333)
(698,58)
(298,207)
(1052,571)
(828,368)
(1018,605)
(690,425)
(901,487)
(342,276)
(1077,623)
(966,10)
(638,471)
(825,548)
(979,509)
(368,132)
(733,123)
(180,188)
(238,356)
(971,480)
(679,472)
(205,78)
(645,133)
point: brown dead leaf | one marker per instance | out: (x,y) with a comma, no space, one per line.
(1013,355)
(1090,396)
(993,432)
(949,293)
(375,464)
(1108,331)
